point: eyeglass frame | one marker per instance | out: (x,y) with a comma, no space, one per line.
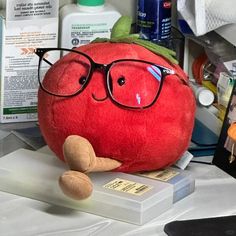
(40,52)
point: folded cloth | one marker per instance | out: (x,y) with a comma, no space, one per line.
(204,16)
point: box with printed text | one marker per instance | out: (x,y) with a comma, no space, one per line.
(24,26)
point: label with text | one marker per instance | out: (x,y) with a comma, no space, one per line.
(128,186)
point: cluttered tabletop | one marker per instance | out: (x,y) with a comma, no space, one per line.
(116,124)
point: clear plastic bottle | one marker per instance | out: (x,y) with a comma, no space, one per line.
(83,22)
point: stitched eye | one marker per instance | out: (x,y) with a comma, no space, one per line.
(82,80)
(121,81)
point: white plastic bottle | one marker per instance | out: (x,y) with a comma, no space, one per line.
(83,22)
(204,96)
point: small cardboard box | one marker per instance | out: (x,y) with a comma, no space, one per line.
(24,26)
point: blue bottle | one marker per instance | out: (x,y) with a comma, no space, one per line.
(154,20)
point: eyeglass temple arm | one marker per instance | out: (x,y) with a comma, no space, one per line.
(168,71)
(40,55)
(172,72)
(47,61)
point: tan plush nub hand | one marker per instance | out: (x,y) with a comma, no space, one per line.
(81,159)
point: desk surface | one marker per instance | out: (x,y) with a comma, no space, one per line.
(214,196)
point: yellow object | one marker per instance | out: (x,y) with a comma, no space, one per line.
(221,113)
(208,84)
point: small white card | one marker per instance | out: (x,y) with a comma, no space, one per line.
(183,162)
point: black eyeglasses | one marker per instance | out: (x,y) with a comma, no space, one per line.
(130,83)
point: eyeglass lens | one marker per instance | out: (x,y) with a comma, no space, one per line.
(71,70)
(134,84)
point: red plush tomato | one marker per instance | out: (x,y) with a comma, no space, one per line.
(138,112)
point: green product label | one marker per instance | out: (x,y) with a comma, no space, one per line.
(19,110)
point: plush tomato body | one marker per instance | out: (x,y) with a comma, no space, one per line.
(144,139)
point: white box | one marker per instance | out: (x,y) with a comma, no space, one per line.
(120,196)
(24,26)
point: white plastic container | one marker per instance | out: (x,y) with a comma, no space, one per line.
(120,196)
(125,197)
(204,96)
(83,22)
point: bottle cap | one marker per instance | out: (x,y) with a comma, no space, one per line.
(205,97)
(92,3)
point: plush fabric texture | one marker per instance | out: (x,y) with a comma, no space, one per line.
(147,139)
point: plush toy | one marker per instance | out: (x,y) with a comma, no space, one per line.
(119,104)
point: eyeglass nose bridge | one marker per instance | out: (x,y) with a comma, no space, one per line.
(100,67)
